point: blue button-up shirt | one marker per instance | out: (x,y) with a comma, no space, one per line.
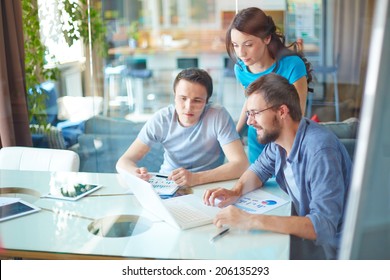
(322,171)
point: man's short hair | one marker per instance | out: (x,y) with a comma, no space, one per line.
(277,91)
(195,75)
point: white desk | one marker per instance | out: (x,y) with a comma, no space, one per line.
(60,229)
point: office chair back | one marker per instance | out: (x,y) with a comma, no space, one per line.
(38,159)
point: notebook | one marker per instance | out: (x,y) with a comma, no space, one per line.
(182,212)
(15,207)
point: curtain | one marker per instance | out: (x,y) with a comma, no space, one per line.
(350,30)
(14,122)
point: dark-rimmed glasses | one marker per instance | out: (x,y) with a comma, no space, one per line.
(253,113)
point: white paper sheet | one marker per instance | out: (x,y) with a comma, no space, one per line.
(259,201)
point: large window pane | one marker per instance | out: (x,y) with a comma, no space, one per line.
(149,41)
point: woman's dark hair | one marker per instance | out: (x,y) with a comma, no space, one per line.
(277,91)
(198,76)
(254,21)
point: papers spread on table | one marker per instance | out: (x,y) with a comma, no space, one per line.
(163,186)
(72,192)
(259,201)
(12,207)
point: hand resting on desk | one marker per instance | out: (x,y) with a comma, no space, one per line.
(234,217)
(230,215)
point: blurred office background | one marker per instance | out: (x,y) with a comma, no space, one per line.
(148,41)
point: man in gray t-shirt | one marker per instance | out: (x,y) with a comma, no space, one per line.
(195,135)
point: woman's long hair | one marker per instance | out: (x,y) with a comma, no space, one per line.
(254,21)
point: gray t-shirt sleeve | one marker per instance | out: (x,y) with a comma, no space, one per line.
(153,130)
(226,129)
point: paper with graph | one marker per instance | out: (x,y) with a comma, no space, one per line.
(259,201)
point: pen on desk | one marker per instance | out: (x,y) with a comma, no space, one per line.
(219,235)
(161,176)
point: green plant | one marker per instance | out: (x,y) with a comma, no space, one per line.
(133,32)
(74,26)
(75,18)
(86,23)
(34,61)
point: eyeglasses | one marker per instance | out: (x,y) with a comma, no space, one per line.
(253,113)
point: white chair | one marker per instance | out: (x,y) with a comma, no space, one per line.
(38,159)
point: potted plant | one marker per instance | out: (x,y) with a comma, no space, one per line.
(133,34)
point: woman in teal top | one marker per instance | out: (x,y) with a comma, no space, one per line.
(253,43)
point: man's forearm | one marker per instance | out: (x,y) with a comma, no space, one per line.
(247,183)
(299,226)
(227,171)
(126,165)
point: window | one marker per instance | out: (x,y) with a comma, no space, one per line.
(187,30)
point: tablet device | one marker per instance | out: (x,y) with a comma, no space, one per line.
(13,208)
(73,192)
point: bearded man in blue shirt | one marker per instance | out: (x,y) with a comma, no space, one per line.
(308,162)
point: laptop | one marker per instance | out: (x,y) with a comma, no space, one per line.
(182,212)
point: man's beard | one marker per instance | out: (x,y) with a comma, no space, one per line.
(270,136)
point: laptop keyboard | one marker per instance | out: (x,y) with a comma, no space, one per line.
(185,213)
